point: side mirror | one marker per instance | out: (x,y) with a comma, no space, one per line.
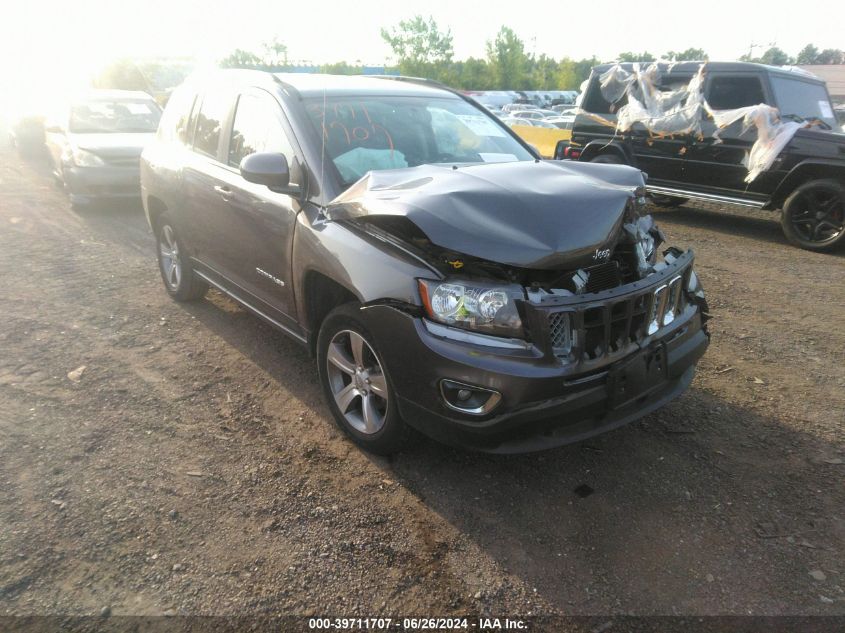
(268,169)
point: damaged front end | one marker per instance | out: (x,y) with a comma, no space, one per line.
(598,300)
(597,329)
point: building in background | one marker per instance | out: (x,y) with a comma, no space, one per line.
(834,76)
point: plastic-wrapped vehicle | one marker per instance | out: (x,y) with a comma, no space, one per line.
(446,278)
(738,133)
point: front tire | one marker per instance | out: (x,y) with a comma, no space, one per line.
(814,215)
(175,266)
(356,383)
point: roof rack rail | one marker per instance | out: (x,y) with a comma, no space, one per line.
(413,80)
(426,82)
(291,90)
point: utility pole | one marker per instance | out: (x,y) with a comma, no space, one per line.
(751,48)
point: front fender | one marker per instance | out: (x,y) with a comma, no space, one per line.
(367,270)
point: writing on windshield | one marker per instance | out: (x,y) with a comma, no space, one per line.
(362,134)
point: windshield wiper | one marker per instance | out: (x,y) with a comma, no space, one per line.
(813,120)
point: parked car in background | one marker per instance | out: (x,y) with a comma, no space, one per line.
(518,107)
(533,114)
(564,109)
(493,99)
(563,122)
(445,278)
(806,181)
(566,97)
(95,144)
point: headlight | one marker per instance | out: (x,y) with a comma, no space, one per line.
(645,247)
(81,158)
(473,306)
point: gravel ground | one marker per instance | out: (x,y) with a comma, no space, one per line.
(191,467)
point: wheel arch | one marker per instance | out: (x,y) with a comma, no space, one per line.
(155,208)
(596,148)
(321,295)
(802,173)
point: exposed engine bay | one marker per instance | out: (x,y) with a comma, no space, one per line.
(633,257)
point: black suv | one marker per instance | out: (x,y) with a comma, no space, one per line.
(806,180)
(444,276)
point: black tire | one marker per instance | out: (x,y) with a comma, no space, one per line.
(814,215)
(389,433)
(667,202)
(183,285)
(609,159)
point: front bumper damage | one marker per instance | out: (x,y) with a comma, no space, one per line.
(616,368)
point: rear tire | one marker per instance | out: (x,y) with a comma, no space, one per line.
(357,385)
(814,215)
(175,267)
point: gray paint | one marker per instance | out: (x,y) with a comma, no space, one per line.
(539,215)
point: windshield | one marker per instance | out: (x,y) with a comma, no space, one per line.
(390,132)
(92,117)
(807,100)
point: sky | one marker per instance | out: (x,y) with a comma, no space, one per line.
(66,39)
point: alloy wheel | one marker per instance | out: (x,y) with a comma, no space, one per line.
(820,215)
(357,381)
(171,264)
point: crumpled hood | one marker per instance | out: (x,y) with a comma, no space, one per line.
(115,144)
(540,215)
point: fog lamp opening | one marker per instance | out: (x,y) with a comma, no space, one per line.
(468,398)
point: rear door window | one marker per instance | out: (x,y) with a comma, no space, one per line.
(737,91)
(595,101)
(212,115)
(174,122)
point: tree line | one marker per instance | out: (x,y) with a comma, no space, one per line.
(422,49)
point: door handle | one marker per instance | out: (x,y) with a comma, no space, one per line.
(223,190)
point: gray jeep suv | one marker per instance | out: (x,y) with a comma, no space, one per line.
(446,279)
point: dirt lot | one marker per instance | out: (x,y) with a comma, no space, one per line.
(192,467)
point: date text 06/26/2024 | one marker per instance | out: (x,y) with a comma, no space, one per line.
(417,624)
